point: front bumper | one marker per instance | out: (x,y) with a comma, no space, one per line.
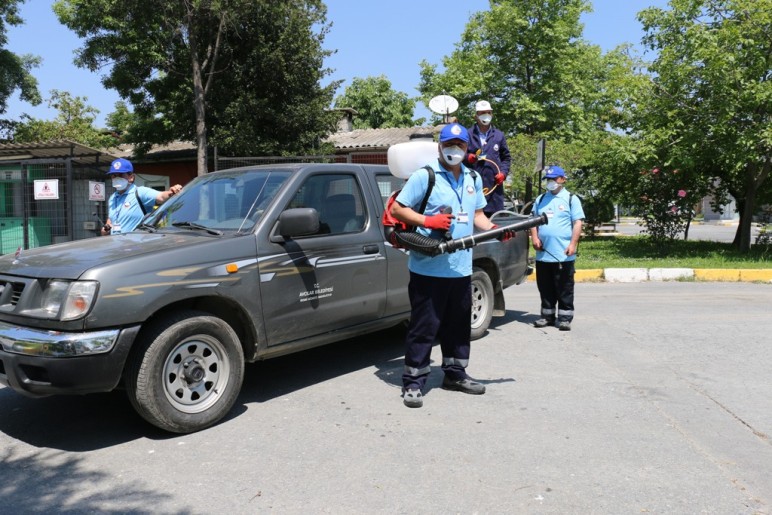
(39,363)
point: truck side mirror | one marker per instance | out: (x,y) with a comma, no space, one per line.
(300,221)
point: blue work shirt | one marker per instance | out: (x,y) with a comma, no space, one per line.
(463,196)
(562,211)
(124,211)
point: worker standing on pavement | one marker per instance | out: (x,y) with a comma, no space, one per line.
(555,244)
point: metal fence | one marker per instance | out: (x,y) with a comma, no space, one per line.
(47,201)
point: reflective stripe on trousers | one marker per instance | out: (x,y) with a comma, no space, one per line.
(556,288)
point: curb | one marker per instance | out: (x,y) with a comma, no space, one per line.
(633,275)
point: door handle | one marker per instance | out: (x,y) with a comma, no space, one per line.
(370,249)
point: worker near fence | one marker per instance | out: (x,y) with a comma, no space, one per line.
(555,244)
(129,204)
(440,286)
(488,155)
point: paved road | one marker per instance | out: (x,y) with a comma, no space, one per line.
(710,231)
(659,401)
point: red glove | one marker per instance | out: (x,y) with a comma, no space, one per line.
(506,235)
(471,158)
(499,178)
(440,221)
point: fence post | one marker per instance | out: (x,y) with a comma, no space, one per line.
(25,208)
(70,200)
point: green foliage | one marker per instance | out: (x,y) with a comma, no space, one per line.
(573,156)
(15,70)
(121,120)
(639,252)
(709,111)
(377,104)
(598,210)
(528,59)
(239,74)
(657,197)
(74,121)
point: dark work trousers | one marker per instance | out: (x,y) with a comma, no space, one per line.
(556,287)
(441,308)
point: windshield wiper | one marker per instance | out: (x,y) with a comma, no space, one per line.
(147,227)
(194,225)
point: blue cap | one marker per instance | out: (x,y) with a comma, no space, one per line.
(553,172)
(454,131)
(120,165)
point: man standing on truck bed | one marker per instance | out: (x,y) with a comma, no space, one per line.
(440,286)
(488,154)
(129,204)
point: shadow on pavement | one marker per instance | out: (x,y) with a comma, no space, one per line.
(47,481)
(73,423)
(266,380)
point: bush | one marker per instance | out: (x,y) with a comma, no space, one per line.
(597,211)
(658,200)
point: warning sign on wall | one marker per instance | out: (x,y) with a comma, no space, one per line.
(47,189)
(96,191)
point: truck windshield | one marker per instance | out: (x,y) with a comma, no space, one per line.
(225,201)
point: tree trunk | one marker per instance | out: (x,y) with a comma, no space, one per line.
(198,100)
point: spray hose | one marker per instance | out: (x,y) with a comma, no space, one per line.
(487,191)
(431,247)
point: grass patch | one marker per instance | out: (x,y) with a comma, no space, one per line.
(638,252)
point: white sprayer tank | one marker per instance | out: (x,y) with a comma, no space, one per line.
(406,158)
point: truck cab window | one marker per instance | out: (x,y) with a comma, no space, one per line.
(337,198)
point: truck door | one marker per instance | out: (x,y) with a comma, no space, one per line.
(330,280)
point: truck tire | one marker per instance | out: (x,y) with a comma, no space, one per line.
(186,372)
(482,302)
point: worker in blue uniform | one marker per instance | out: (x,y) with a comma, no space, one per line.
(440,286)
(556,243)
(129,203)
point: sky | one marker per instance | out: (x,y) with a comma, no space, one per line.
(371,39)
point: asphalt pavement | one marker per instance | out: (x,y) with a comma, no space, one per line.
(658,401)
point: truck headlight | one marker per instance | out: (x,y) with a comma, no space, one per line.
(68,300)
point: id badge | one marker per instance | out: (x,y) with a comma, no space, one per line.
(116,229)
(462,218)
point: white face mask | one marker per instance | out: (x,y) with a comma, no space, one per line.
(485,119)
(453,155)
(552,185)
(120,184)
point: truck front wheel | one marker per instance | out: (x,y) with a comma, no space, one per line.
(482,302)
(186,372)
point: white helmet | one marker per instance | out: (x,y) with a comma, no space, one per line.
(483,105)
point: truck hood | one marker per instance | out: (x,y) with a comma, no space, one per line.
(70,260)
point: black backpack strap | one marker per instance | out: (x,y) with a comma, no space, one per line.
(428,189)
(141,206)
(537,202)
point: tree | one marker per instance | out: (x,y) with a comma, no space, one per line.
(247,72)
(710,108)
(74,121)
(527,57)
(377,104)
(121,120)
(15,69)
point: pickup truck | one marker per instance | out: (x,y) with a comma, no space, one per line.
(243,265)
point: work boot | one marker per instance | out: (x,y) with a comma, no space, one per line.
(544,322)
(412,398)
(564,325)
(463,385)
